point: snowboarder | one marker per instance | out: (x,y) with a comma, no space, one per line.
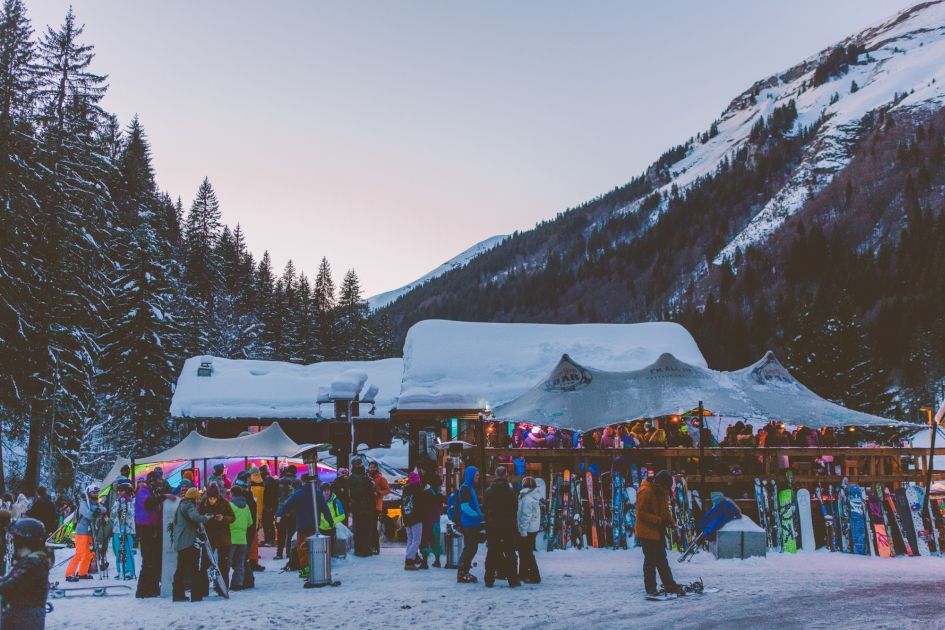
(363,515)
(89,510)
(529,523)
(25,587)
(653,517)
(187,522)
(470,519)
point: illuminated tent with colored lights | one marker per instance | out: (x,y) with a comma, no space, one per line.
(270,442)
(581,398)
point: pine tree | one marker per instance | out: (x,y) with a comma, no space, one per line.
(355,340)
(141,349)
(75,219)
(323,299)
(202,266)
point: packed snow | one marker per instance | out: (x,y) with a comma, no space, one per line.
(383,299)
(468,365)
(274,389)
(589,588)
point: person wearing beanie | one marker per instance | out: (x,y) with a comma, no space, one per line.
(340,486)
(653,517)
(89,517)
(332,516)
(241,524)
(413,508)
(300,503)
(501,512)
(270,503)
(363,509)
(218,530)
(471,518)
(256,486)
(219,478)
(187,524)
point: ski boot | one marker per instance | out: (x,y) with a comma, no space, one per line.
(466,578)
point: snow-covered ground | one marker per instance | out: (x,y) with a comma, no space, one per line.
(579,589)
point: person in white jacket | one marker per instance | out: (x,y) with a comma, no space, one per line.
(529,523)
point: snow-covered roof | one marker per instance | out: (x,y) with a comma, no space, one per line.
(578,397)
(468,365)
(245,388)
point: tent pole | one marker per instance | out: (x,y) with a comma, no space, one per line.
(204,478)
(931,465)
(193,466)
(701,445)
(133,483)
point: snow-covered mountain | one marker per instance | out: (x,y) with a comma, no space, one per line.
(383,299)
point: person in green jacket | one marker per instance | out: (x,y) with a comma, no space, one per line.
(242,523)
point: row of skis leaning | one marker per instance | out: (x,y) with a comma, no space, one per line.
(853,519)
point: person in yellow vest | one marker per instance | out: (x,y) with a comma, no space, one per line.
(336,513)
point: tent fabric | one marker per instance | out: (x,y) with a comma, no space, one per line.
(270,442)
(582,398)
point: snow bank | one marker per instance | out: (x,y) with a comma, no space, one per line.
(467,365)
(274,389)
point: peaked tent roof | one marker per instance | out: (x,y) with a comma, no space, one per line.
(270,442)
(582,398)
(473,365)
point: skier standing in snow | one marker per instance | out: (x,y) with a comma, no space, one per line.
(25,587)
(501,527)
(653,517)
(123,528)
(471,517)
(363,515)
(88,511)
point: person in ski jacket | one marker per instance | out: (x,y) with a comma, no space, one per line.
(219,478)
(652,519)
(430,537)
(501,512)
(342,489)
(88,519)
(44,510)
(413,509)
(123,529)
(470,518)
(529,524)
(381,490)
(149,525)
(24,588)
(255,483)
(285,523)
(218,530)
(239,528)
(270,503)
(188,525)
(333,514)
(363,514)
(20,507)
(301,503)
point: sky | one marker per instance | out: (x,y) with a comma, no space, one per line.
(390,136)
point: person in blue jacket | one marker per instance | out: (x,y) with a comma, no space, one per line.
(300,502)
(471,518)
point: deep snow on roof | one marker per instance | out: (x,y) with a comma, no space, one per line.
(246,388)
(470,365)
(579,397)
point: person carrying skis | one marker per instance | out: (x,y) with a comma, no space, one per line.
(653,517)
(25,587)
(123,529)
(363,515)
(89,511)
(218,530)
(501,527)
(187,522)
(470,520)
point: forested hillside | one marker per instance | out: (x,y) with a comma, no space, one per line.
(807,220)
(107,283)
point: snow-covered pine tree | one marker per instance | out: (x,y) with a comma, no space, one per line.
(305,321)
(263,295)
(323,301)
(236,326)
(289,346)
(141,350)
(355,338)
(202,277)
(75,217)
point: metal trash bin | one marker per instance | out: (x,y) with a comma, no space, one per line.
(319,562)
(453,546)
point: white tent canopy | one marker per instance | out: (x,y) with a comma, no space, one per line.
(583,398)
(270,442)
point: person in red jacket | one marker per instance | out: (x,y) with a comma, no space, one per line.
(381,489)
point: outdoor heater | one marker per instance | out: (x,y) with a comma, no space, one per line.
(454,460)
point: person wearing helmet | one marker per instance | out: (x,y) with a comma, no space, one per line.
(123,528)
(88,515)
(653,517)
(25,587)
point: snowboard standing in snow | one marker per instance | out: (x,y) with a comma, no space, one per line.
(883,548)
(828,520)
(857,525)
(915,511)
(843,510)
(631,518)
(897,520)
(776,513)
(762,512)
(566,509)
(786,516)
(907,524)
(806,519)
(169,554)
(592,511)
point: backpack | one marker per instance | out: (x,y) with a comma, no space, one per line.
(453,509)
